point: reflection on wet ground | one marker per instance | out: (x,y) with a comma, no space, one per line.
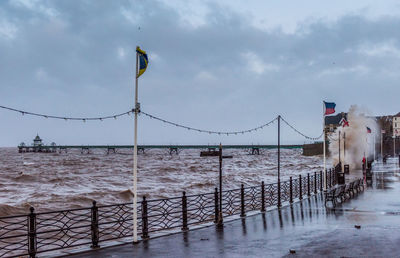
(366,226)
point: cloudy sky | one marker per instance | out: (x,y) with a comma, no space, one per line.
(218,65)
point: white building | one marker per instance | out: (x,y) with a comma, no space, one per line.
(37,142)
(396,124)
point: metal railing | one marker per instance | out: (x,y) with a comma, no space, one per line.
(33,233)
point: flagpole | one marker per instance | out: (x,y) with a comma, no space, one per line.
(135,240)
(344,147)
(381,145)
(339,150)
(323,126)
(374,147)
(394,145)
(366,156)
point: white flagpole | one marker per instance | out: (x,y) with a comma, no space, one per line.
(394,145)
(374,147)
(323,126)
(135,240)
(367,151)
(381,145)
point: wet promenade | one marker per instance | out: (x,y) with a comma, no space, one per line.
(306,227)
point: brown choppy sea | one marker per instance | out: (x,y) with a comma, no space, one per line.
(53,181)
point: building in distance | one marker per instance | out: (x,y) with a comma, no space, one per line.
(37,146)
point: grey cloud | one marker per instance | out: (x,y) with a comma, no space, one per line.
(225,74)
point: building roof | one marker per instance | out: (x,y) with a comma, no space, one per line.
(397,115)
(335,120)
(37,138)
(384,118)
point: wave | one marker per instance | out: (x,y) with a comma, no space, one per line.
(7,210)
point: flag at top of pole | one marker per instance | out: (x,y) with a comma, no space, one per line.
(329,108)
(344,122)
(143,61)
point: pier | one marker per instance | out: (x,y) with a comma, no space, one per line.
(173,149)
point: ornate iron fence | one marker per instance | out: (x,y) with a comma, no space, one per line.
(14,233)
(28,235)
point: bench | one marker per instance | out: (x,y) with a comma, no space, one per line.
(344,192)
(335,194)
(360,185)
(355,187)
(341,193)
(347,191)
(331,196)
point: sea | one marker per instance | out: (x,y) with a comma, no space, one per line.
(56,181)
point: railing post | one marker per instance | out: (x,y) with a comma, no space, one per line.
(330,178)
(315,182)
(95,226)
(145,221)
(334,178)
(326,178)
(320,180)
(216,205)
(300,189)
(279,194)
(184,212)
(32,233)
(291,190)
(242,207)
(262,197)
(308,184)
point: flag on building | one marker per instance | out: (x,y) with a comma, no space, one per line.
(329,108)
(143,61)
(343,122)
(368,130)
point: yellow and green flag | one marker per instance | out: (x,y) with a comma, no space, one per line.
(143,61)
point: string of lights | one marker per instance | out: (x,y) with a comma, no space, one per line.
(302,134)
(115,116)
(208,131)
(84,119)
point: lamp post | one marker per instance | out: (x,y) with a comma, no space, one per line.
(382,131)
(339,151)
(394,145)
(220,217)
(279,161)
(344,147)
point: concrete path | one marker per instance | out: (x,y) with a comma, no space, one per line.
(306,227)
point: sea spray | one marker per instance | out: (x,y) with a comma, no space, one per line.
(355,141)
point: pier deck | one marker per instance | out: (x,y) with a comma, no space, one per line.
(171,146)
(306,227)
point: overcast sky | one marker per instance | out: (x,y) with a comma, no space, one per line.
(218,65)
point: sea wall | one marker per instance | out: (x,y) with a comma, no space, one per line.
(313,149)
